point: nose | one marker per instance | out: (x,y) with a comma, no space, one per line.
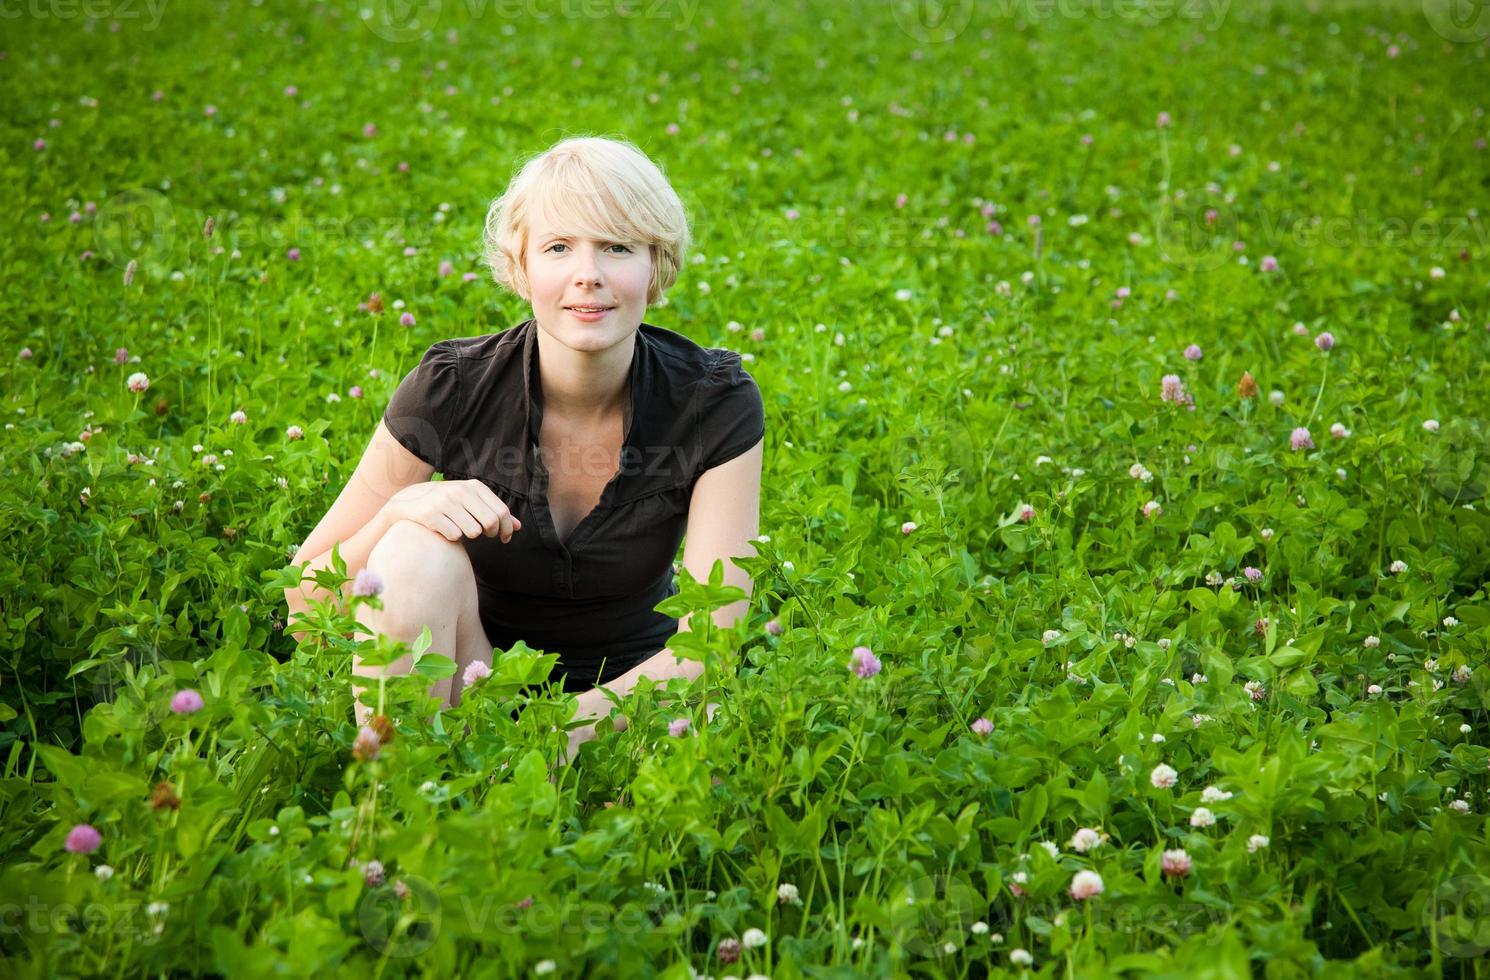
(586,268)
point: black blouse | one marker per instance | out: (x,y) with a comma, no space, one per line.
(473,407)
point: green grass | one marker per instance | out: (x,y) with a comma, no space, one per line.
(984,372)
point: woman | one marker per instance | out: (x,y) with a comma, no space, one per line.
(576,450)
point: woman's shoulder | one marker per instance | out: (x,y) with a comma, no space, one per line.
(480,346)
(690,362)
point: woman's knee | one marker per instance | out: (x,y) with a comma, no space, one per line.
(422,571)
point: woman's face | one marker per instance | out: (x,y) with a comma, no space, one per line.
(566,271)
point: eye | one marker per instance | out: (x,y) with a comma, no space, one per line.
(562,245)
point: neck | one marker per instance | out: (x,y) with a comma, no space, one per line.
(583,386)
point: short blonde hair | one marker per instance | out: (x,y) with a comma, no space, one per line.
(594,186)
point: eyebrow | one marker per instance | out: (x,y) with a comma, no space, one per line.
(550,238)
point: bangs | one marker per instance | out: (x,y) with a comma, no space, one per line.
(575,204)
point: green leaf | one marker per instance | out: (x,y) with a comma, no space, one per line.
(435,666)
(66,767)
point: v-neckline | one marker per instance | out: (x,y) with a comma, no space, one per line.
(605,492)
(534,386)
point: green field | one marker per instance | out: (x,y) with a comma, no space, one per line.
(998,270)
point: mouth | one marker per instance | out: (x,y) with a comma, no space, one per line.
(588,309)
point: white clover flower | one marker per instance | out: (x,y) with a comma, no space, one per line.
(979,928)
(1164,643)
(1020,957)
(1198,678)
(544,967)
(1459,806)
(1050,636)
(787,892)
(1214,794)
(1256,843)
(753,939)
(103,872)
(1450,622)
(1465,729)
(1462,673)
(1202,817)
(1156,738)
(1084,840)
(1163,776)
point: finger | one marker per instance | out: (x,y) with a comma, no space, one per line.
(503,521)
(481,503)
(470,527)
(446,527)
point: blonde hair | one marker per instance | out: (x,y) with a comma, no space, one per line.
(594,186)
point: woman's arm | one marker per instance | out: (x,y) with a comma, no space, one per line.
(723,520)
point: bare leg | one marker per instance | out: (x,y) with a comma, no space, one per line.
(427,581)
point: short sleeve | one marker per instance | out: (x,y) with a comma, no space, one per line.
(420,413)
(732,415)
